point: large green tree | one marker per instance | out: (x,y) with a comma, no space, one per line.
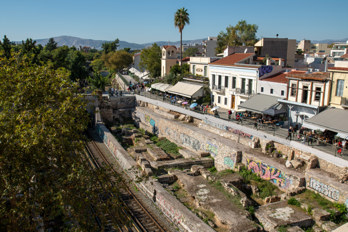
(110,46)
(6,46)
(242,34)
(191,51)
(181,18)
(45,181)
(116,61)
(51,45)
(150,59)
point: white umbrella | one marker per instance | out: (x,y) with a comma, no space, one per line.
(215,108)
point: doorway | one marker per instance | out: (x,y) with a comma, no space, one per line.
(304,94)
(233,98)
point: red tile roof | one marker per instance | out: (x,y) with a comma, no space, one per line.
(316,76)
(232,59)
(345,56)
(168,46)
(260,58)
(338,68)
(281,77)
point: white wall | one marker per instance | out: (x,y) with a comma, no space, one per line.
(268,85)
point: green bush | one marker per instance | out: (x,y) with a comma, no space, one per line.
(212,169)
(294,201)
(266,188)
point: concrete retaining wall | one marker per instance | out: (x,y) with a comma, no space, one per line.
(224,150)
(170,206)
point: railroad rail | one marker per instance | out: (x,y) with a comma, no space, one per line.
(142,219)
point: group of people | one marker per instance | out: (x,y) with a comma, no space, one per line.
(136,87)
(114,92)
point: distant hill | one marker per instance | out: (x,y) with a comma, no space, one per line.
(77,42)
(97,44)
(330,41)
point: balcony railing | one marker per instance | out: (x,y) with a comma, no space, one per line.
(219,89)
(244,92)
(344,102)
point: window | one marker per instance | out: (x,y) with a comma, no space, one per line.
(250,86)
(293,89)
(205,71)
(219,82)
(234,82)
(194,69)
(317,94)
(271,91)
(226,81)
(282,92)
(212,98)
(261,89)
(225,100)
(243,86)
(339,88)
(213,79)
(219,99)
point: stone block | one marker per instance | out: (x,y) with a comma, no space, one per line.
(294,229)
(296,163)
(157,154)
(182,117)
(148,171)
(167,179)
(196,169)
(140,149)
(204,154)
(288,164)
(205,173)
(328,226)
(148,141)
(278,214)
(320,215)
(187,153)
(313,162)
(272,199)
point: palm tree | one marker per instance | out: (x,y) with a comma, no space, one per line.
(181,18)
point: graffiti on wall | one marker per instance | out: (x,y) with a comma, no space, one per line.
(211,148)
(270,173)
(324,189)
(169,210)
(229,161)
(190,141)
(226,128)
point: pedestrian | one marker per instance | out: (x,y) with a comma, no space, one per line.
(255,125)
(289,133)
(229,114)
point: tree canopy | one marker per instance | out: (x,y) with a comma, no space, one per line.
(51,45)
(150,59)
(181,18)
(110,46)
(45,181)
(116,61)
(191,51)
(242,34)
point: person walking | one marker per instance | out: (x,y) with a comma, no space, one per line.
(289,133)
(229,114)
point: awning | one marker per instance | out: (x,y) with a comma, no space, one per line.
(160,86)
(263,104)
(186,90)
(331,119)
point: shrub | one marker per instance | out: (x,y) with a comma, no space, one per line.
(212,169)
(294,201)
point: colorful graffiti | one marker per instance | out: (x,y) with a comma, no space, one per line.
(190,141)
(229,161)
(324,189)
(211,148)
(270,173)
(223,127)
(169,210)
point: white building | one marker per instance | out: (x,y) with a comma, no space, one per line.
(233,79)
(275,85)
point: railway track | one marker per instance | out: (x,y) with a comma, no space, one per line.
(142,219)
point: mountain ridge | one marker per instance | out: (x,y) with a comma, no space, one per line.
(97,44)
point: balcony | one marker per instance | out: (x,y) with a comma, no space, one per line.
(244,92)
(219,89)
(344,102)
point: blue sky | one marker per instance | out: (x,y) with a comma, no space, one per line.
(143,21)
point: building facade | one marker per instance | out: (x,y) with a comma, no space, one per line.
(275,85)
(169,59)
(339,90)
(307,95)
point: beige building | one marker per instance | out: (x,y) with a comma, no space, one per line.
(199,65)
(169,59)
(339,90)
(320,49)
(307,95)
(304,45)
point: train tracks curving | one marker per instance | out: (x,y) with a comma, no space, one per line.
(142,219)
